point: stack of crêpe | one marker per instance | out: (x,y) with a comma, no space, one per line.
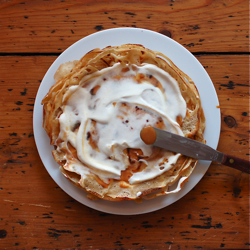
(96,109)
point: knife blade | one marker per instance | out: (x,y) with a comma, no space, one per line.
(191,148)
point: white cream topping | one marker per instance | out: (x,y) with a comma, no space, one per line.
(118,126)
(179,185)
(155,170)
(138,194)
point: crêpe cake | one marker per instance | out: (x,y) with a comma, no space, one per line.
(95,111)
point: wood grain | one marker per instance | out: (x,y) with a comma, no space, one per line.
(36,214)
(52,26)
(230,77)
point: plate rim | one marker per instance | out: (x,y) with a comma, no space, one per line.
(101,205)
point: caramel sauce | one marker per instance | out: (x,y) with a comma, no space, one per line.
(126,174)
(188,114)
(179,120)
(72,150)
(76,127)
(92,143)
(117,77)
(120,117)
(102,183)
(148,135)
(139,77)
(94,90)
(156,83)
(159,124)
(90,139)
(126,69)
(134,68)
(124,184)
(134,156)
(190,105)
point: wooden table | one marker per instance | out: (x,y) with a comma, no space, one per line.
(35,213)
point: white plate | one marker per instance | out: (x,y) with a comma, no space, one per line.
(154,41)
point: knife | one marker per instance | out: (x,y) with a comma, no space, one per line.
(190,148)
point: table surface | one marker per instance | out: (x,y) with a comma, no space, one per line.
(35,213)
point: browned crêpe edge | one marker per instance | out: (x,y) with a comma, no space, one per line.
(192,125)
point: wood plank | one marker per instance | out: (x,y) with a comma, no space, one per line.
(36,214)
(230,76)
(51,26)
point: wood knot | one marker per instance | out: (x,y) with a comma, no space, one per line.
(236,192)
(230,121)
(3,234)
(166,33)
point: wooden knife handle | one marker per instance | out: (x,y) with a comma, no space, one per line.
(237,163)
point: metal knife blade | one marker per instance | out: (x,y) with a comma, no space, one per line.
(186,146)
(191,148)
